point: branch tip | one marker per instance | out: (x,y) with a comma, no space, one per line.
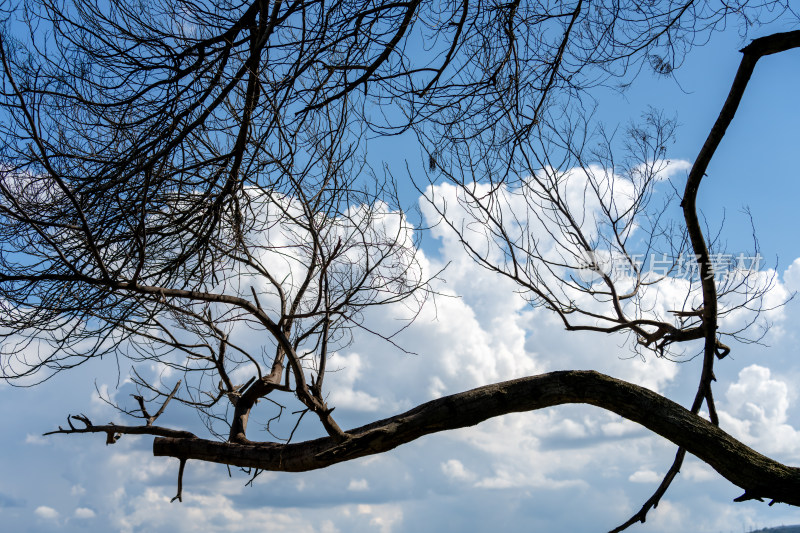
(179,495)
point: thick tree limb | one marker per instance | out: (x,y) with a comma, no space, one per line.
(758,475)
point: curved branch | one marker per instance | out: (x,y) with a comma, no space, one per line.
(771,44)
(758,475)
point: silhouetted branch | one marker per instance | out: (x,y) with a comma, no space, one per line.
(760,476)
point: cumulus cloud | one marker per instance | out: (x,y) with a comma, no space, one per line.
(139,465)
(479,331)
(346,369)
(46,513)
(84,513)
(455,470)
(756,412)
(512,457)
(791,276)
(485,332)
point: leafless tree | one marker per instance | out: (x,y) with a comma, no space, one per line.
(179,178)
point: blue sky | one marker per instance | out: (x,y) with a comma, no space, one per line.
(570,469)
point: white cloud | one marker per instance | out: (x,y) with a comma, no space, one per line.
(645,476)
(511,445)
(670,516)
(358,485)
(46,513)
(38,440)
(84,513)
(152,510)
(736,313)
(437,387)
(328,526)
(620,428)
(758,396)
(344,371)
(103,393)
(382,517)
(483,333)
(455,470)
(140,465)
(564,428)
(791,276)
(698,472)
(755,411)
(514,479)
(674,167)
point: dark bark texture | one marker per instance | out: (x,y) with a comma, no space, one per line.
(759,476)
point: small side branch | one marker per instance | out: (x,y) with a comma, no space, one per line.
(179,496)
(114,432)
(652,502)
(152,418)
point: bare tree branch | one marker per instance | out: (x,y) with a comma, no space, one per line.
(758,475)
